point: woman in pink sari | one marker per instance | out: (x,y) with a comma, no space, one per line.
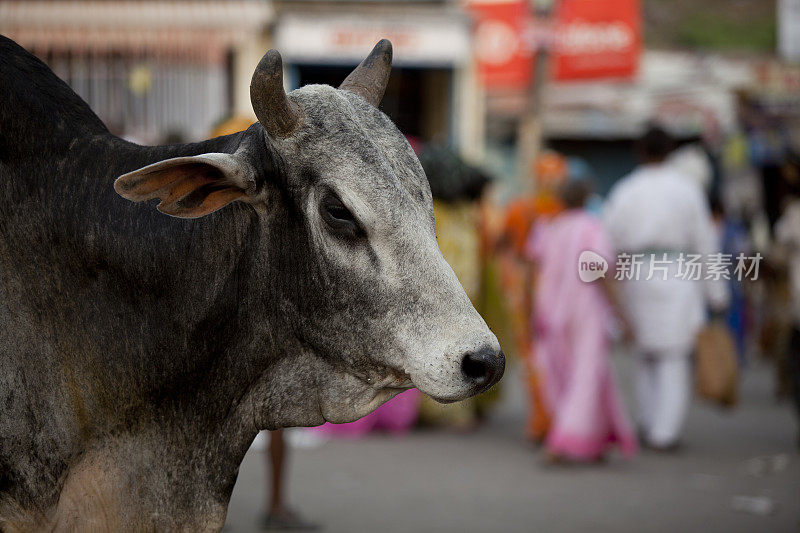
(571,339)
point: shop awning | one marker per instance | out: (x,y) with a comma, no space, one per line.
(165,26)
(419,39)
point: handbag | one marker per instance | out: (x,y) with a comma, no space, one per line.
(716,368)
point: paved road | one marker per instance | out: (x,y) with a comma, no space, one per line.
(492,480)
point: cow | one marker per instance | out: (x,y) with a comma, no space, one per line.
(288,276)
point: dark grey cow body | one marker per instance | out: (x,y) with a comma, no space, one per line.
(140,353)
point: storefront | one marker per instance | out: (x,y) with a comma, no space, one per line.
(431,93)
(150,69)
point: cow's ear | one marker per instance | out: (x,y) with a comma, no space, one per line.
(190,187)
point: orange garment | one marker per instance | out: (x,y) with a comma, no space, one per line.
(539,418)
(520,216)
(521,213)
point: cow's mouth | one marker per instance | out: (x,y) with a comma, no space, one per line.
(445,401)
(382,377)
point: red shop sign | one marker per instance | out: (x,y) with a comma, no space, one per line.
(597,39)
(502,55)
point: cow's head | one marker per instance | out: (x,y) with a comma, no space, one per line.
(354,278)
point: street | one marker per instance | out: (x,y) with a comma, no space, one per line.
(737,471)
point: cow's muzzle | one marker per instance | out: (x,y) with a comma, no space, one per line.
(483,368)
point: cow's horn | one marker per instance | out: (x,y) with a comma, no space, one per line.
(279,115)
(369,79)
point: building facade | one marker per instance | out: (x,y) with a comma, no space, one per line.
(157,70)
(152,70)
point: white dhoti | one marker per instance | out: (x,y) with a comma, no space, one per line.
(666,316)
(663,390)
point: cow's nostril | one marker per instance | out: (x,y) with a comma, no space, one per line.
(483,367)
(474,367)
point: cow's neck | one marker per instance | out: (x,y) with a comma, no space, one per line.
(186,263)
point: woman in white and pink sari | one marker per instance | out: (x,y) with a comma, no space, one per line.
(571,336)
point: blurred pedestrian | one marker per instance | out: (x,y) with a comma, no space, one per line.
(787,235)
(661,217)
(549,173)
(770,149)
(457,188)
(279,516)
(571,343)
(733,240)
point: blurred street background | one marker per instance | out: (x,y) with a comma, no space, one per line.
(493,480)
(654,128)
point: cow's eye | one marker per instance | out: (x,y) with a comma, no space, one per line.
(338,217)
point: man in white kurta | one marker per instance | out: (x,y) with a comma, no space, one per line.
(659,213)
